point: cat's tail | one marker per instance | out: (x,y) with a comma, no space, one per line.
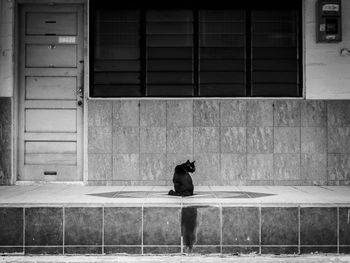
(172,192)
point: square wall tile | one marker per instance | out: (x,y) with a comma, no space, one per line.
(179,113)
(11,226)
(318,249)
(206,113)
(161,250)
(314,167)
(287,113)
(126,113)
(259,166)
(338,166)
(153,113)
(44,226)
(233,167)
(313,113)
(82,250)
(5,164)
(233,113)
(44,250)
(207,167)
(161,226)
(122,249)
(260,140)
(100,139)
(126,140)
(83,226)
(286,140)
(318,226)
(279,225)
(123,225)
(126,167)
(313,139)
(260,113)
(100,166)
(344,226)
(179,140)
(338,113)
(208,226)
(339,140)
(153,140)
(238,250)
(153,167)
(100,113)
(287,166)
(176,159)
(240,226)
(206,139)
(280,250)
(233,139)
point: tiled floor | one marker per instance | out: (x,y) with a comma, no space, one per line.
(69,195)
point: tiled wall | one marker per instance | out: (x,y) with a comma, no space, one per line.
(157,230)
(247,142)
(5,141)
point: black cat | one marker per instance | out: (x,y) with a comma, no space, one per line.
(182,179)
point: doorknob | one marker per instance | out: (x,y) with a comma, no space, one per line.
(80,102)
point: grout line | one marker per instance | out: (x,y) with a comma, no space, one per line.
(221,226)
(166,134)
(139,152)
(193,128)
(299,239)
(24,229)
(259,230)
(327,175)
(300,151)
(182,243)
(338,232)
(142,229)
(103,230)
(63,228)
(219,141)
(273,144)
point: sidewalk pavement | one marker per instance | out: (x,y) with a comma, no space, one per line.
(178,259)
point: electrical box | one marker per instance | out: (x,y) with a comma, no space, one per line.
(328,22)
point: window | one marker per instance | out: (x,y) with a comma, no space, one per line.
(184,50)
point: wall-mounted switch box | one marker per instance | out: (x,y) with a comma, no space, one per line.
(328,21)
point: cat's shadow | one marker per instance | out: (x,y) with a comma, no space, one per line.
(196,195)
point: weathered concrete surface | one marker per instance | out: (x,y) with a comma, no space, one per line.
(179,259)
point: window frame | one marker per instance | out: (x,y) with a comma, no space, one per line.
(248,8)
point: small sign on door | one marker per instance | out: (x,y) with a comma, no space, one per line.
(66,40)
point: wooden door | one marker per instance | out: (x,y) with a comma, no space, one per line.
(50,92)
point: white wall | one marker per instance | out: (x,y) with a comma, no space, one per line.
(327,72)
(6,48)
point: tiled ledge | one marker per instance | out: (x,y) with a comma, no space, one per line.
(102,220)
(138,196)
(170,230)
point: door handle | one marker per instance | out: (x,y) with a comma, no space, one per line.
(80,92)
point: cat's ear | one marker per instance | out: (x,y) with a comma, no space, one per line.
(188,161)
(193,162)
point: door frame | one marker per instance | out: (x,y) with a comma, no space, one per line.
(16,105)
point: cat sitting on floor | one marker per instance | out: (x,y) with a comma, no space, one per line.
(182,179)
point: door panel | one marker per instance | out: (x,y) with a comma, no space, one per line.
(49,120)
(50,147)
(51,56)
(51,23)
(51,88)
(50,85)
